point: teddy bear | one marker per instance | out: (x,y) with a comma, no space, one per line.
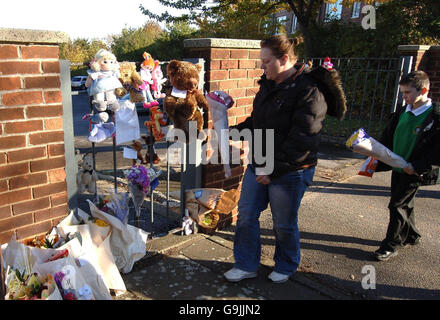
(86,177)
(131,81)
(183,101)
(136,145)
(156,158)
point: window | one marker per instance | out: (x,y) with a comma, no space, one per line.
(281,22)
(333,11)
(294,24)
(356,10)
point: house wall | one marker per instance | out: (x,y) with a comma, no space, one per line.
(426,58)
(33,191)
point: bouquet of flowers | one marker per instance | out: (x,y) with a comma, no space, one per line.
(138,175)
(68,293)
(138,183)
(115,204)
(361,142)
(52,240)
(31,287)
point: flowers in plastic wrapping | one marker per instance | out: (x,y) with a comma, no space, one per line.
(362,143)
(52,240)
(28,287)
(115,204)
(138,175)
(64,281)
(143,177)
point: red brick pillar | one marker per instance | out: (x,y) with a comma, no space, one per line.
(232,66)
(33,191)
(426,58)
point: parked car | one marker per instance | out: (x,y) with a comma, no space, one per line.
(79,82)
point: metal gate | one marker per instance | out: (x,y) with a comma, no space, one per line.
(371,86)
(190,173)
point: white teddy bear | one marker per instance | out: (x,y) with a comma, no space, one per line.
(86,176)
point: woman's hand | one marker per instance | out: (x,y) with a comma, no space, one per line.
(263,179)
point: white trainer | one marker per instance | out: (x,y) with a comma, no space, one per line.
(278,277)
(235,275)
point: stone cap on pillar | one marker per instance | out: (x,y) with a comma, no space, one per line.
(221,43)
(32,36)
(413,48)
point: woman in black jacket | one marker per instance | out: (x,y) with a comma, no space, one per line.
(292,103)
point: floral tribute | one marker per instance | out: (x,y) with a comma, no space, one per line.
(138,175)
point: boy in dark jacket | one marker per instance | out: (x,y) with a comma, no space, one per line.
(413,133)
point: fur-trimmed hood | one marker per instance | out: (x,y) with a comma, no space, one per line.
(330,85)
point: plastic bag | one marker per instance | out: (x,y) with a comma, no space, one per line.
(97,251)
(127,243)
(219,103)
(127,122)
(368,167)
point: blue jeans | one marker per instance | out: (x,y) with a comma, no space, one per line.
(284,195)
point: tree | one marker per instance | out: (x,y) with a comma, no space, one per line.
(130,44)
(81,50)
(170,43)
(306,11)
(411,22)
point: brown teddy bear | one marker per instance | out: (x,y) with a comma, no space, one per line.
(136,145)
(156,158)
(131,81)
(182,102)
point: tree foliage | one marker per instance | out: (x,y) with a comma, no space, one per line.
(80,50)
(131,41)
(170,43)
(398,23)
(243,18)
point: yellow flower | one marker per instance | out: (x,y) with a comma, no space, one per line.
(101,223)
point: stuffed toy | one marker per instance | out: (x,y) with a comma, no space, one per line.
(136,145)
(149,141)
(156,120)
(184,102)
(131,81)
(327,64)
(86,177)
(102,81)
(158,81)
(146,73)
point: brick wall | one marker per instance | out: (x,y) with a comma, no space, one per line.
(33,192)
(232,66)
(426,58)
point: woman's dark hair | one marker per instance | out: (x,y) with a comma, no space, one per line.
(281,45)
(417,79)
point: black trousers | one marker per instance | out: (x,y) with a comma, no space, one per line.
(402,224)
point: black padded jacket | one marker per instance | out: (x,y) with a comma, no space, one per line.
(295,109)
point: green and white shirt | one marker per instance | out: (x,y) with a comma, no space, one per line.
(408,129)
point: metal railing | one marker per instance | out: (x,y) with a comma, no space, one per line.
(190,173)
